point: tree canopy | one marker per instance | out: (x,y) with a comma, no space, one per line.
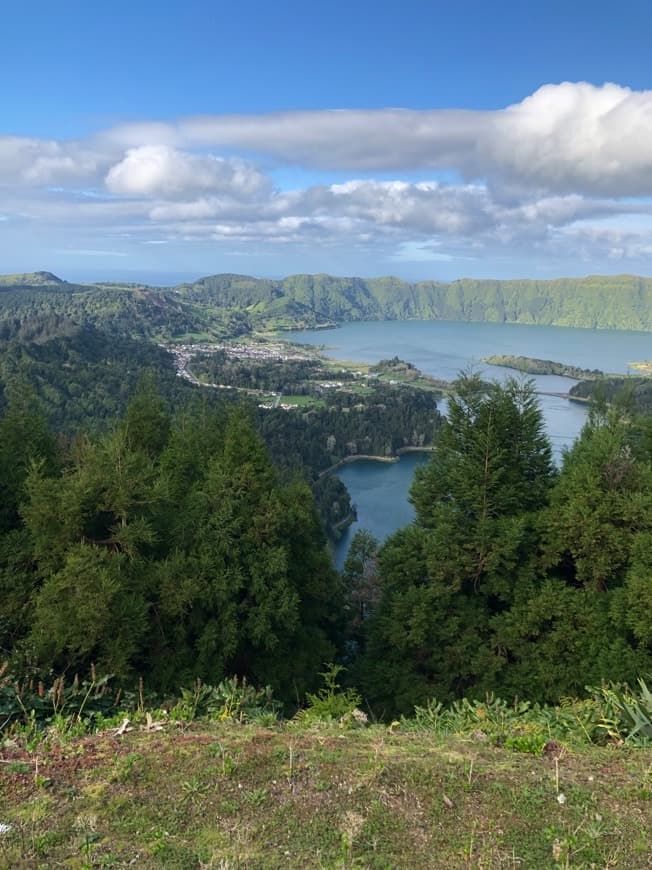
(172,549)
(514,578)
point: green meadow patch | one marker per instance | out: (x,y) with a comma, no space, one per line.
(223,794)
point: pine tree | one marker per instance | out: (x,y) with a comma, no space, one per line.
(602,502)
(470,552)
(587,617)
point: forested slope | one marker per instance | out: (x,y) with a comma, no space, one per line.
(172,545)
(614,302)
(229,304)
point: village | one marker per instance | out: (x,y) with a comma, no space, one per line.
(183,354)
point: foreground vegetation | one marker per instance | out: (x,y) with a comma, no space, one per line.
(515,577)
(169,548)
(215,780)
(172,547)
(243,796)
(157,537)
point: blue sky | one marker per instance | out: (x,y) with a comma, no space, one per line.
(426,139)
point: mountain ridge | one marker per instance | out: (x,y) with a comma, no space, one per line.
(618,302)
(306,300)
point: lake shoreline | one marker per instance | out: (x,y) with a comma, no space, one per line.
(443,350)
(354,457)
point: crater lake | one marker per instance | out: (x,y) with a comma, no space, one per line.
(443,349)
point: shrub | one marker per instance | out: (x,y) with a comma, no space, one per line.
(331,703)
(232,699)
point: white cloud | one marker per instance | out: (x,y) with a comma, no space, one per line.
(572,136)
(577,137)
(615,244)
(198,209)
(412,252)
(42,162)
(564,138)
(559,170)
(89,252)
(158,170)
(425,207)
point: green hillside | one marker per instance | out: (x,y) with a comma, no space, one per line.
(118,309)
(614,302)
(230,304)
(29,279)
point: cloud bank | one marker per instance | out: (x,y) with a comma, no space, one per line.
(569,165)
(563,138)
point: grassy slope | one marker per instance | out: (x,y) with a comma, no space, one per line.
(223,795)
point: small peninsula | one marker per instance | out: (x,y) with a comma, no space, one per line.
(531,366)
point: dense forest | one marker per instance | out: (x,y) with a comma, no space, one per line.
(152,527)
(515,578)
(632,391)
(169,547)
(83,376)
(172,547)
(383,421)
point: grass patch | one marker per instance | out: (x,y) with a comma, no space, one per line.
(303,401)
(225,794)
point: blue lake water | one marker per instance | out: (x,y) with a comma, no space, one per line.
(443,349)
(379,491)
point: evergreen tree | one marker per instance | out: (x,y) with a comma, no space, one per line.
(178,557)
(249,588)
(602,501)
(491,470)
(361,590)
(93,536)
(25,442)
(24,439)
(589,618)
(472,549)
(147,420)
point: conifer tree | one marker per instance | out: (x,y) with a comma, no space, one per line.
(25,442)
(588,617)
(470,552)
(361,590)
(178,553)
